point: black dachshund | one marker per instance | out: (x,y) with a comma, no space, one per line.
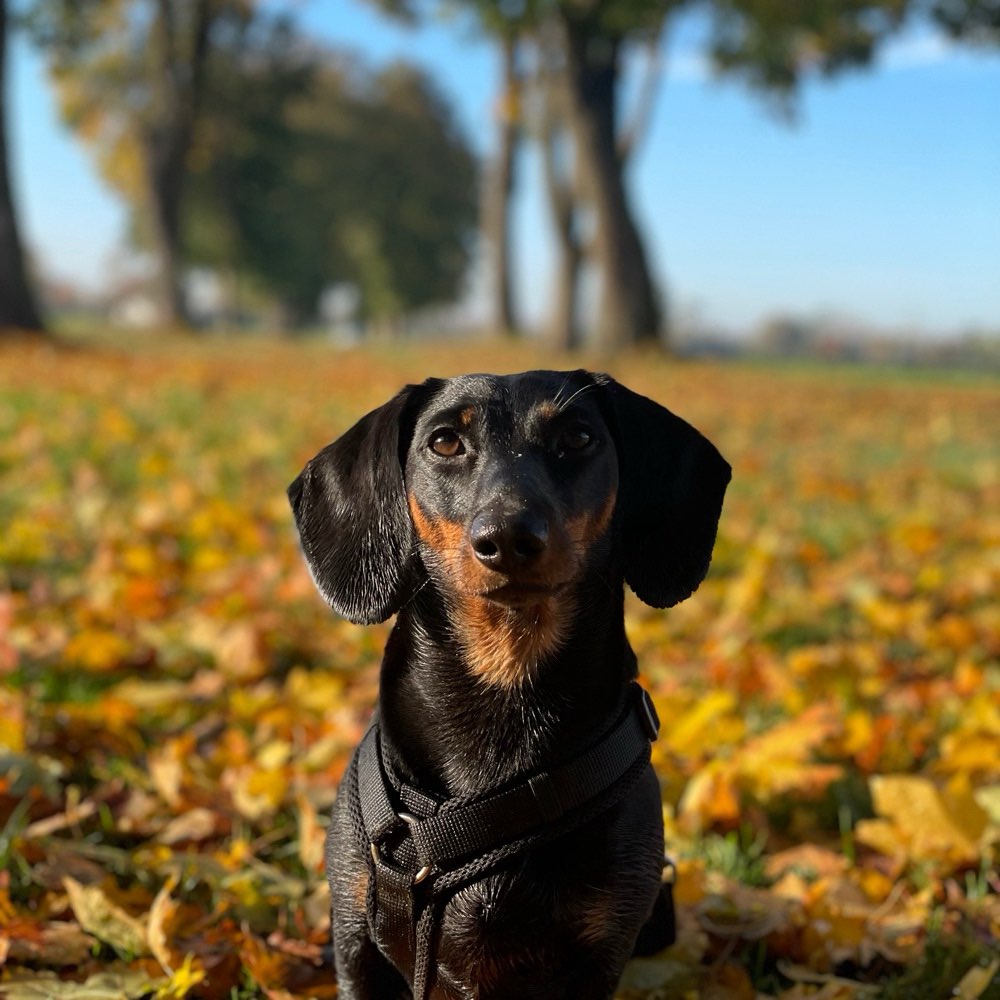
(499,831)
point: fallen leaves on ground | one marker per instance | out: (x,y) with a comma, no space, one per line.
(178,705)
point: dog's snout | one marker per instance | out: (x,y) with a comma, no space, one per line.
(508,542)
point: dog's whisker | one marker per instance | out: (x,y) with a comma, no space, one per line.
(558,396)
(579,392)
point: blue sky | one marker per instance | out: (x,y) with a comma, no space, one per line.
(881,203)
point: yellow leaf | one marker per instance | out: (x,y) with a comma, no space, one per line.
(874,884)
(312,834)
(937,825)
(988,798)
(166,768)
(97,649)
(122,984)
(160,929)
(880,835)
(314,690)
(184,979)
(258,792)
(858,731)
(99,916)
(689,881)
(976,981)
(710,797)
(12,720)
(697,729)
(274,754)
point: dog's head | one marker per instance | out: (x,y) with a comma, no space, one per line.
(505,490)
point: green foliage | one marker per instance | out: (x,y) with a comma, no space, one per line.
(976,21)
(773,45)
(309,171)
(946,959)
(250,209)
(287,168)
(123,71)
(410,244)
(738,855)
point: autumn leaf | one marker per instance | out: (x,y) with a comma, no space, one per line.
(925,820)
(976,981)
(100,916)
(126,984)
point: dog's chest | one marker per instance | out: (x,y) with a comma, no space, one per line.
(497,935)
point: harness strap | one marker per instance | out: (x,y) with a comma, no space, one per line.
(392,913)
(460,830)
(418,861)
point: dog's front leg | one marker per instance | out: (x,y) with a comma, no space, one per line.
(363,972)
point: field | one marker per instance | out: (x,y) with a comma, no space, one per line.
(177,703)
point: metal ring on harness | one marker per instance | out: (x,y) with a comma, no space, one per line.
(376,854)
(409,819)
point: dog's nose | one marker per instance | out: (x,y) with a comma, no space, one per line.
(508,542)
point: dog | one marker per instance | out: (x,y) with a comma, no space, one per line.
(499,831)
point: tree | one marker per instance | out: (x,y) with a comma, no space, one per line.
(410,243)
(510,24)
(582,80)
(593,37)
(251,211)
(130,78)
(310,171)
(572,210)
(771,44)
(774,46)
(17,303)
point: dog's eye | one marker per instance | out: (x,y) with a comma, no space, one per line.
(574,439)
(446,443)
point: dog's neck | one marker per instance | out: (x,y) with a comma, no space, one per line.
(454,727)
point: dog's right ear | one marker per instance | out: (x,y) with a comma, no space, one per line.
(350,509)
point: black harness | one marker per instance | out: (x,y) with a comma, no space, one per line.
(422,850)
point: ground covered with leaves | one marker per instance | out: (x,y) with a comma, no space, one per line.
(177,704)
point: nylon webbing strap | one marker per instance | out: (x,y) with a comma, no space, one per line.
(417,859)
(465,830)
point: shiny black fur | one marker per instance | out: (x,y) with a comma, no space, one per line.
(562,921)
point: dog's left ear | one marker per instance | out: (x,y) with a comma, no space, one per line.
(350,509)
(672,481)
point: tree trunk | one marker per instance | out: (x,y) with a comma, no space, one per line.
(500,187)
(562,188)
(181,78)
(17,304)
(165,173)
(630,309)
(565,331)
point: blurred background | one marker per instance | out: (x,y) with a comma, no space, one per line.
(719,176)
(229,228)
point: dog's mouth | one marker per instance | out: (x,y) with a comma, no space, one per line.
(519,594)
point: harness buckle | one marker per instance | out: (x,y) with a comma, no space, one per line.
(650,718)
